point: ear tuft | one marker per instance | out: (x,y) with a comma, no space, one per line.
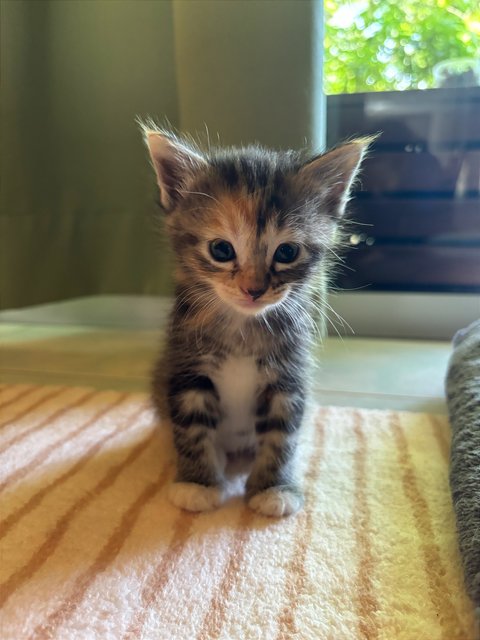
(333,173)
(174,161)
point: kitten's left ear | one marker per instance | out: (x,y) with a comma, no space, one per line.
(174,162)
(331,175)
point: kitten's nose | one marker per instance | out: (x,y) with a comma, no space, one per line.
(255,293)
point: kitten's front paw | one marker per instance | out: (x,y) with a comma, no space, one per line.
(195,497)
(276,502)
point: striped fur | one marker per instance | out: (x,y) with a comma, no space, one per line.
(92,548)
(234,376)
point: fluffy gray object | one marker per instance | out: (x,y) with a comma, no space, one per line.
(463,399)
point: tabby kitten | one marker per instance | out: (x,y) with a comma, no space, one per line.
(251,229)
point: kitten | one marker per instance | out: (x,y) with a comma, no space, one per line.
(252,231)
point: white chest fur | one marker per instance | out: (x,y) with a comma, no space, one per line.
(237,382)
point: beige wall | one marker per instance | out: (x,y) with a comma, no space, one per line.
(77,194)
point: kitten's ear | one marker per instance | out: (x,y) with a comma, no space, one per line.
(332,174)
(174,163)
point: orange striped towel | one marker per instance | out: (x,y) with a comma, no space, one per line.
(92,549)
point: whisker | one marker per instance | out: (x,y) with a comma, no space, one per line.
(201,193)
(339,317)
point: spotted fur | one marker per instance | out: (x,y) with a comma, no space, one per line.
(234,375)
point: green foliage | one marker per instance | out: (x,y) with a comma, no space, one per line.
(382,45)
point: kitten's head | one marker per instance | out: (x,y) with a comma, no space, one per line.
(250,225)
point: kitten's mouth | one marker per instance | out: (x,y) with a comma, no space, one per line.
(248,306)
(253,305)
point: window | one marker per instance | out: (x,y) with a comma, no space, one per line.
(410,71)
(419,196)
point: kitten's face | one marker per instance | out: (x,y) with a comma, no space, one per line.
(242,249)
(249,226)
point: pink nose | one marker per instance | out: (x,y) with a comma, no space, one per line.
(254,294)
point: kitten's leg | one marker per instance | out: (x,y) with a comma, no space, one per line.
(194,411)
(272,489)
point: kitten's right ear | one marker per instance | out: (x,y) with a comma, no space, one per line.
(174,163)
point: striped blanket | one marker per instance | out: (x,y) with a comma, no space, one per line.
(90,547)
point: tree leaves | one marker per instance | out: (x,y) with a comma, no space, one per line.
(381,45)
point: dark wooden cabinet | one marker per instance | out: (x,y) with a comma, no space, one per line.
(418,200)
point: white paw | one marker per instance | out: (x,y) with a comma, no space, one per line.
(194,497)
(276,502)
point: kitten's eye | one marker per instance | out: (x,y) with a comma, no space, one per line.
(221,250)
(286,252)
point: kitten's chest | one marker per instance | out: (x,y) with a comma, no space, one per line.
(238,381)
